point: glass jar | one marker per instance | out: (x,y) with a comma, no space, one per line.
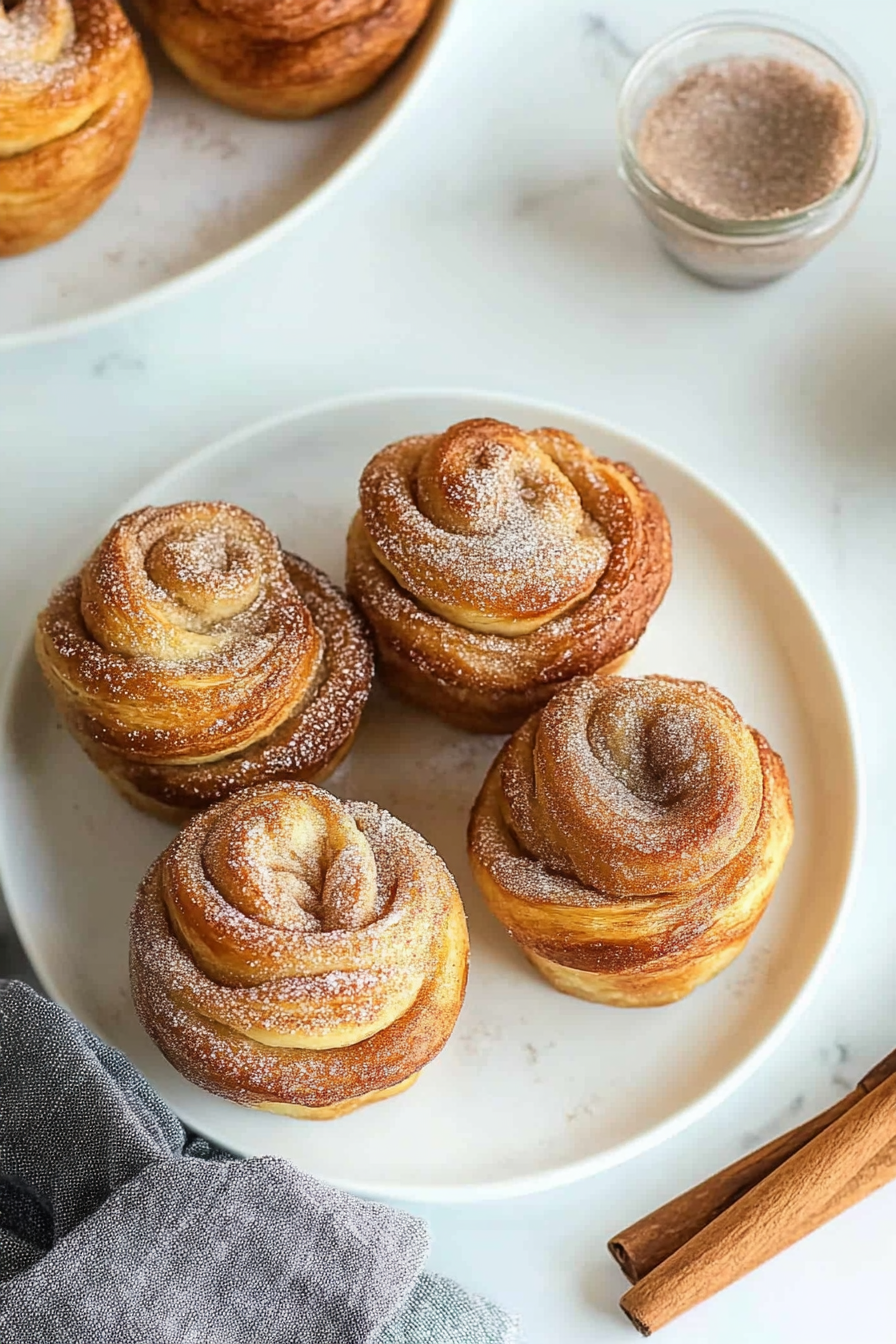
(731,252)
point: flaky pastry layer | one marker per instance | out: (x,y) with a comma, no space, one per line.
(287,58)
(688,923)
(74,88)
(298,953)
(192,658)
(495,565)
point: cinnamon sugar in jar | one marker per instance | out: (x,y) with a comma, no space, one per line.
(746,144)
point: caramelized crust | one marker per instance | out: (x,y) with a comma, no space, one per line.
(192,658)
(495,565)
(630,835)
(73,91)
(284,58)
(298,953)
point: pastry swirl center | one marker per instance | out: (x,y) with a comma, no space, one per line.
(660,761)
(207,570)
(298,862)
(482,526)
(183,582)
(35,31)
(184,638)
(624,783)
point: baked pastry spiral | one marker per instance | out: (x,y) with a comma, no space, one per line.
(630,835)
(284,58)
(494,565)
(191,657)
(73,90)
(297,953)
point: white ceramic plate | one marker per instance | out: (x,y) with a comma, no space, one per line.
(207,187)
(534,1088)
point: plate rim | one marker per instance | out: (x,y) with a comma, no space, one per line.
(680,1120)
(423,52)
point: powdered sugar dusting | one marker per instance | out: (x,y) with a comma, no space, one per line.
(306,745)
(480,520)
(295,1013)
(502,678)
(35,34)
(184,637)
(634,786)
(56,45)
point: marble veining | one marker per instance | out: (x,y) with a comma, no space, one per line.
(609,40)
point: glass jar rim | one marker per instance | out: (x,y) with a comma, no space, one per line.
(773,225)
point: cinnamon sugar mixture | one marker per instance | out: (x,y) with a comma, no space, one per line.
(751,139)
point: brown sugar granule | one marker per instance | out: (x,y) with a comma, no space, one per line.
(750,139)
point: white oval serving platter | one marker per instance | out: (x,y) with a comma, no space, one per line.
(535,1088)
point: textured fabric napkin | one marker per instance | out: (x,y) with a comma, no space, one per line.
(115,1227)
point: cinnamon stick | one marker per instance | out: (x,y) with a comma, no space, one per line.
(845,1162)
(651,1240)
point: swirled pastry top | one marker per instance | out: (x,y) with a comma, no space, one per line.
(280,944)
(183,638)
(490,679)
(634,786)
(485,525)
(303,932)
(59,62)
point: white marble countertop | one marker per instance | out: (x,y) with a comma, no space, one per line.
(490,245)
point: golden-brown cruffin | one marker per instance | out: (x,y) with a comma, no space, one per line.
(630,835)
(191,658)
(73,91)
(284,58)
(494,565)
(297,953)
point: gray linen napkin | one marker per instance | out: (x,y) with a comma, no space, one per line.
(114,1227)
